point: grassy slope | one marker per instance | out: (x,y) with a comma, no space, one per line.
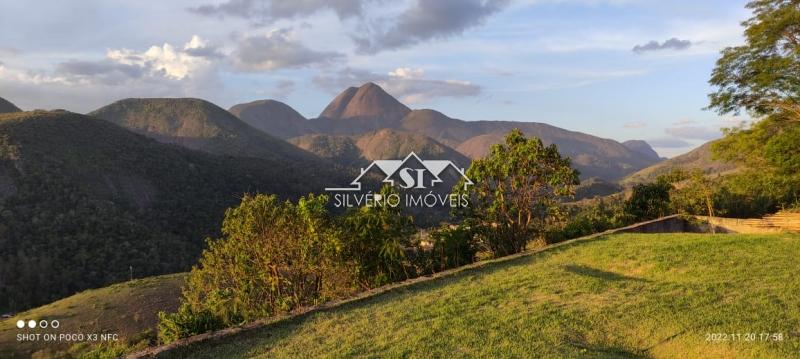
(127,309)
(620,296)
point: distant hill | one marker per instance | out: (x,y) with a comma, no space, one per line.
(643,148)
(336,148)
(200,125)
(6,106)
(368,108)
(273,117)
(394,144)
(358,150)
(82,200)
(698,158)
(129,309)
(437,125)
(595,187)
(592,156)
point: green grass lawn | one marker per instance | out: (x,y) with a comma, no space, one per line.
(632,295)
(128,309)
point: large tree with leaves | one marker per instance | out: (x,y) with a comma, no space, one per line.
(516,190)
(762,77)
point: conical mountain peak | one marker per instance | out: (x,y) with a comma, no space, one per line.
(369,101)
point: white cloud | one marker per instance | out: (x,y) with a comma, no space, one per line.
(166,59)
(407,73)
(82,85)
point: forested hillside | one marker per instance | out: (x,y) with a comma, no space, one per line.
(85,203)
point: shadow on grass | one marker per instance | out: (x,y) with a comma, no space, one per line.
(599,273)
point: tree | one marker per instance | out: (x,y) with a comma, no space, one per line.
(763,75)
(649,200)
(695,193)
(516,190)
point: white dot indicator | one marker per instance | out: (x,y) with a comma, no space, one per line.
(20,324)
(31,324)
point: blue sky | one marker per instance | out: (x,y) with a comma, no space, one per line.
(621,69)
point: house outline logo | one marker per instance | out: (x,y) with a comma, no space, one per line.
(392,167)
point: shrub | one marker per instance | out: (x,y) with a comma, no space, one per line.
(185,323)
(453,246)
(376,239)
(596,217)
(649,201)
(274,257)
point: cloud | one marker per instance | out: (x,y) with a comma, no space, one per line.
(277,50)
(427,20)
(165,60)
(635,124)
(80,85)
(668,143)
(104,71)
(265,12)
(408,84)
(671,44)
(122,65)
(407,73)
(694,132)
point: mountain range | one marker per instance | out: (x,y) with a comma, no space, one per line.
(85,202)
(135,186)
(369,110)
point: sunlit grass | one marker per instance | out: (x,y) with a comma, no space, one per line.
(633,295)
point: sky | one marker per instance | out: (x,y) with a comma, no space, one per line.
(620,69)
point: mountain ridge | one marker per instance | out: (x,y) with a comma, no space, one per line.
(74,186)
(7,107)
(273,116)
(699,158)
(200,125)
(357,111)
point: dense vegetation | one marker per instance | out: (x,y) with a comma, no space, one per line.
(623,296)
(85,203)
(762,77)
(277,256)
(516,192)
